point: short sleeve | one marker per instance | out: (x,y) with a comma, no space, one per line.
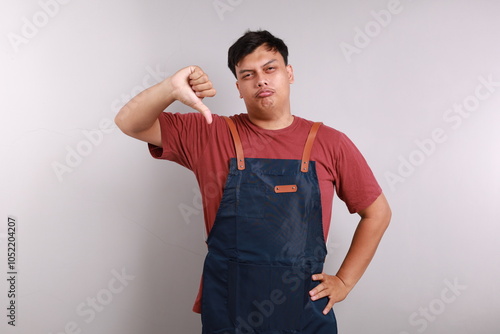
(355,183)
(183,137)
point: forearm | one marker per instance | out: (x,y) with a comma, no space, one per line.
(363,247)
(371,228)
(140,113)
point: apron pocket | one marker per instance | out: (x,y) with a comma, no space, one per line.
(265,297)
(252,200)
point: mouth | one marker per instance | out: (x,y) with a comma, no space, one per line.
(264,93)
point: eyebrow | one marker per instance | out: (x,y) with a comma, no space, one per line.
(269,62)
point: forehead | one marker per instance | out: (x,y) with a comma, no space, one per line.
(259,57)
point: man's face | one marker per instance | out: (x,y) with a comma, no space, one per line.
(263,81)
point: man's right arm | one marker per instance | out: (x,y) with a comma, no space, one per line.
(139,117)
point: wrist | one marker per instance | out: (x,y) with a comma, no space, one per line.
(168,91)
(348,283)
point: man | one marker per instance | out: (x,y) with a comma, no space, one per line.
(267,180)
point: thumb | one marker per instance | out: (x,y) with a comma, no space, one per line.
(203,109)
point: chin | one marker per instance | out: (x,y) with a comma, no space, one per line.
(266,104)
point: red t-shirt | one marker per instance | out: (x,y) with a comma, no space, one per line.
(206,149)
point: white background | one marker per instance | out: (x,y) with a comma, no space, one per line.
(83,217)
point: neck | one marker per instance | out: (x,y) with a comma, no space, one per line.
(271,122)
(271,118)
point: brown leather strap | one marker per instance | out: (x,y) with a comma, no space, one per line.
(304,167)
(237,143)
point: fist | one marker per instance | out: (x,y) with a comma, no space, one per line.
(190,85)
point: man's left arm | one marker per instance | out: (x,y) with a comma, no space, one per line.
(374,221)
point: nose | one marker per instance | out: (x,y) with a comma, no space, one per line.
(262,83)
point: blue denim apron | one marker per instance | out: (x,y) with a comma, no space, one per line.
(266,243)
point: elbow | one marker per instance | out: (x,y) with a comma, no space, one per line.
(122,124)
(119,120)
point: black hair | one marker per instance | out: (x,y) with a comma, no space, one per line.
(250,41)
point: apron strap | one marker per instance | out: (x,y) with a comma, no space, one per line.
(304,167)
(237,143)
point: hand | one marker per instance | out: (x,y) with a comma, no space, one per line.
(332,287)
(189,86)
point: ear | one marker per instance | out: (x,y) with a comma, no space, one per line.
(291,77)
(238,87)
